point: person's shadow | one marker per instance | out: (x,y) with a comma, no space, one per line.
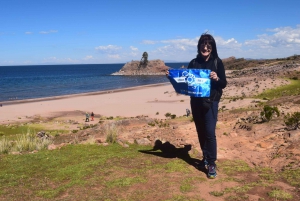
(168,150)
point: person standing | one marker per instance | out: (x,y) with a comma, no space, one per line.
(205,118)
(205,110)
(92,116)
(87,117)
(188,112)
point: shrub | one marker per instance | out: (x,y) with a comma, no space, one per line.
(151,123)
(268,112)
(158,123)
(292,121)
(112,133)
(173,116)
(85,127)
(25,142)
(4,146)
(163,124)
(29,142)
(192,119)
(90,140)
(168,114)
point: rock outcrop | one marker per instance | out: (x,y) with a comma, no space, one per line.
(153,67)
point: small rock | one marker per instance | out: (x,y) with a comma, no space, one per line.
(52,147)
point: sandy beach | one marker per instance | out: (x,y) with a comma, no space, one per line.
(130,102)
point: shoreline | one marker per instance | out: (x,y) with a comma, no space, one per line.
(153,100)
(13,102)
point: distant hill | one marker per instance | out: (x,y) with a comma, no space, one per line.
(233,63)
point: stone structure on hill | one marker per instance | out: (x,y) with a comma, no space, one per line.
(153,67)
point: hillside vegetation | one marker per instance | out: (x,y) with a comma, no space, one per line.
(233,63)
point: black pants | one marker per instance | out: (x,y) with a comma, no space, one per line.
(205,121)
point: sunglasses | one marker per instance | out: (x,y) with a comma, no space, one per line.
(206,44)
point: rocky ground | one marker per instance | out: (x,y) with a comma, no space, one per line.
(240,132)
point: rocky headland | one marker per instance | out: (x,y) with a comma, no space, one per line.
(153,67)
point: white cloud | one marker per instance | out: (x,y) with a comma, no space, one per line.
(176,46)
(114,56)
(133,48)
(48,32)
(282,36)
(109,49)
(149,42)
(188,46)
(134,51)
(164,49)
(182,42)
(54,60)
(230,43)
(9,62)
(276,43)
(28,32)
(88,57)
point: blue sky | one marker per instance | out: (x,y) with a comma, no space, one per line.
(34,32)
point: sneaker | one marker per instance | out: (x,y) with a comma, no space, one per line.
(202,164)
(212,171)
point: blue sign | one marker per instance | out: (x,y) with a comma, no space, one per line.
(191,82)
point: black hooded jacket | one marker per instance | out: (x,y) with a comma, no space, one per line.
(216,86)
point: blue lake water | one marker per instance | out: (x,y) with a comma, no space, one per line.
(40,81)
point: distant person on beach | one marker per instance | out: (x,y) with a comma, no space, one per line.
(205,110)
(188,112)
(87,117)
(92,116)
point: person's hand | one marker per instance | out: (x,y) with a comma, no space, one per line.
(214,76)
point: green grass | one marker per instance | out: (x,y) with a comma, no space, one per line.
(266,178)
(61,169)
(188,184)
(235,167)
(287,90)
(12,130)
(183,198)
(125,181)
(280,195)
(292,176)
(8,130)
(176,166)
(95,172)
(241,110)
